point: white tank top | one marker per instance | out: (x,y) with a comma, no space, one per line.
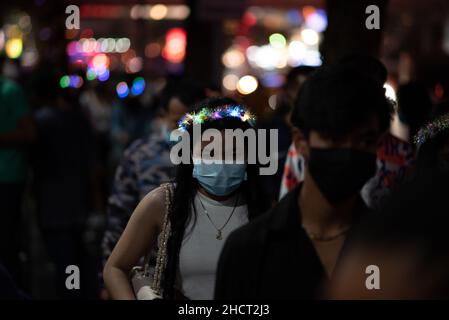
(201,249)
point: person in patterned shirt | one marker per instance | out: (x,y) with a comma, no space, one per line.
(146,162)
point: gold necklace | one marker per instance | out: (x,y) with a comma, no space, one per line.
(316,237)
(219,230)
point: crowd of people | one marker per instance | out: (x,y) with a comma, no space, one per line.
(347,194)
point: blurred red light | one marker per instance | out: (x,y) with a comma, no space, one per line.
(175,45)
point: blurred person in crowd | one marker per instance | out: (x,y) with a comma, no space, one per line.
(432,142)
(440,109)
(406,246)
(131,119)
(394,156)
(432,67)
(97,104)
(294,167)
(209,202)
(414,107)
(292,250)
(146,163)
(63,163)
(405,241)
(16,133)
(291,163)
(280,121)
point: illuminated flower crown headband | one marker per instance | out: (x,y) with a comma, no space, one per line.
(431,129)
(212,114)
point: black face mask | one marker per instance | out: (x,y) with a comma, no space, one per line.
(340,173)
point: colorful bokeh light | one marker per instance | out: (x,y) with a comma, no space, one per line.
(138,86)
(247,84)
(122,89)
(64,82)
(13,48)
(175,45)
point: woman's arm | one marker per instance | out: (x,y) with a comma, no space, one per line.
(139,235)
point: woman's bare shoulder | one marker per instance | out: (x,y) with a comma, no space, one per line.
(153,206)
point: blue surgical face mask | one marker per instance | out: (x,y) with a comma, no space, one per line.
(219,179)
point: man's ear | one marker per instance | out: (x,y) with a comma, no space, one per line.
(300,141)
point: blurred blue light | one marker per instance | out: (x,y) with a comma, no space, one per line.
(317,21)
(138,86)
(104,75)
(122,90)
(272,80)
(294,17)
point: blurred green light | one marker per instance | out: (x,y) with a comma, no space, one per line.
(277,40)
(91,74)
(64,82)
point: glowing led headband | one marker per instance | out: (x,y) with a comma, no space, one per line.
(431,129)
(212,114)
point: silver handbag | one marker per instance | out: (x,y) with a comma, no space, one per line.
(145,285)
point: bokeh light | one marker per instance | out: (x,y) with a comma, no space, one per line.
(91,74)
(175,45)
(158,12)
(138,86)
(103,75)
(272,101)
(122,45)
(230,82)
(72,48)
(247,84)
(296,53)
(122,89)
(75,81)
(153,50)
(178,12)
(277,40)
(389,91)
(29,58)
(100,61)
(317,20)
(2,39)
(13,48)
(64,82)
(310,37)
(307,11)
(233,58)
(134,65)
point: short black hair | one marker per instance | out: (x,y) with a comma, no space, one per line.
(337,98)
(298,71)
(188,91)
(367,65)
(414,105)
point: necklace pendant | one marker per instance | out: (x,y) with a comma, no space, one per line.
(219,237)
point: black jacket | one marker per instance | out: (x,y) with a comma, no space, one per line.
(272,257)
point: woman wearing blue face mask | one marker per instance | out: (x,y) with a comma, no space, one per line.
(208,201)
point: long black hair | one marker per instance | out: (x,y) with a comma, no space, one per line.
(186,187)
